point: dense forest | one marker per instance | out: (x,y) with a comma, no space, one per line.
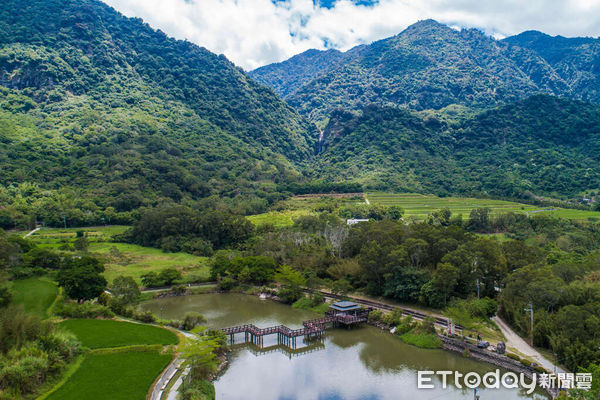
(100,114)
(540,145)
(93,127)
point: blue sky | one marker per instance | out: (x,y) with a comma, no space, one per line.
(252,33)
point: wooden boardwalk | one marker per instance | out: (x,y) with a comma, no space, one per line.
(310,329)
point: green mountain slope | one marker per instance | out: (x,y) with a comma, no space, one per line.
(575,60)
(540,145)
(427,66)
(290,75)
(105,107)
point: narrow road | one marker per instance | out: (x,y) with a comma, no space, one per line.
(516,342)
(32,232)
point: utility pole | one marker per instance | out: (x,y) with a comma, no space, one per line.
(530,310)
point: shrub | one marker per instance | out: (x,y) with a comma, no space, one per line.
(375,315)
(513,356)
(145,316)
(526,362)
(191,320)
(226,284)
(178,290)
(428,325)
(69,309)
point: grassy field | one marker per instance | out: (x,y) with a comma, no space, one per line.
(112,371)
(122,258)
(419,206)
(35,294)
(96,334)
(113,376)
(278,219)
(294,207)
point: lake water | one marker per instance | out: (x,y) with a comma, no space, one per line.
(360,363)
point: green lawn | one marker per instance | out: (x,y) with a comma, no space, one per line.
(35,294)
(113,376)
(419,206)
(95,333)
(122,258)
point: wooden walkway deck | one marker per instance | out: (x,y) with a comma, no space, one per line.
(310,329)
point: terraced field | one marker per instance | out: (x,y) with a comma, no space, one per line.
(419,206)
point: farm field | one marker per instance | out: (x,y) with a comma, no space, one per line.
(125,360)
(123,258)
(35,294)
(113,376)
(97,333)
(419,206)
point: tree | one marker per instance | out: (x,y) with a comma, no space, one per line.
(41,258)
(81,242)
(444,279)
(479,219)
(191,320)
(81,278)
(150,279)
(292,282)
(125,288)
(168,276)
(341,287)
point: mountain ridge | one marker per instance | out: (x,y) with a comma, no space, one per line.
(429,66)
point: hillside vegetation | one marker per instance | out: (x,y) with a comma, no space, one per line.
(431,66)
(103,114)
(540,145)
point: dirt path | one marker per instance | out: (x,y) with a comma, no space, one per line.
(516,342)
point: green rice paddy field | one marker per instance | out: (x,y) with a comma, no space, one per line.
(126,359)
(35,294)
(419,206)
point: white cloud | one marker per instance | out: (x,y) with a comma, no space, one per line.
(252,33)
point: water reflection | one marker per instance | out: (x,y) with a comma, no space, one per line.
(359,363)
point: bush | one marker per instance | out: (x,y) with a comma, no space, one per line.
(69,309)
(406,325)
(146,317)
(226,284)
(178,290)
(513,356)
(428,325)
(526,362)
(393,319)
(197,390)
(375,315)
(191,320)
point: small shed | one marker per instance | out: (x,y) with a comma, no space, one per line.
(345,307)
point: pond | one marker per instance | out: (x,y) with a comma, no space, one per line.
(359,363)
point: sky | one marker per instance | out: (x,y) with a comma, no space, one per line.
(253,33)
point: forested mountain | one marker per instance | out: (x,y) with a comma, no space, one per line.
(575,60)
(290,75)
(540,145)
(431,66)
(95,101)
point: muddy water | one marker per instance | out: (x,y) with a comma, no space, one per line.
(360,363)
